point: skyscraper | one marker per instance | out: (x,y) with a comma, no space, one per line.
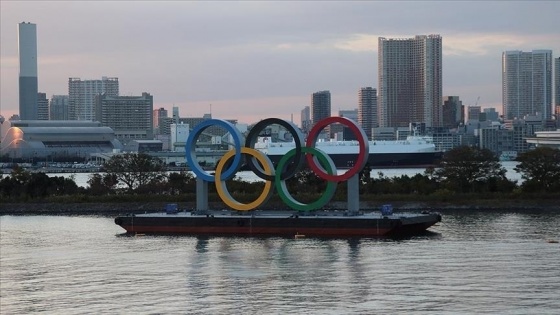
(410,81)
(176,115)
(28,89)
(557,88)
(42,106)
(474,113)
(58,108)
(320,106)
(305,119)
(81,94)
(131,117)
(527,83)
(367,110)
(160,125)
(452,112)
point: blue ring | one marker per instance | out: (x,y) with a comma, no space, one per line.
(191,153)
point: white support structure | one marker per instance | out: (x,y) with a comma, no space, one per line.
(353,193)
(201,194)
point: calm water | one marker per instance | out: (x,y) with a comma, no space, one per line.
(474,263)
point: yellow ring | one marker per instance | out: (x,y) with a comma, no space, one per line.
(221,185)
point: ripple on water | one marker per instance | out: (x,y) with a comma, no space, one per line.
(472,263)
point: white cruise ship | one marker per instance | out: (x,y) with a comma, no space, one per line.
(415,151)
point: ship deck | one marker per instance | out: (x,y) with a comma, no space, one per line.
(284,214)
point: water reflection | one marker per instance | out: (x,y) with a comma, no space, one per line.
(472,262)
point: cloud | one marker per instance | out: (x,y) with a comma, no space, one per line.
(459,44)
(9,62)
(358,43)
(490,43)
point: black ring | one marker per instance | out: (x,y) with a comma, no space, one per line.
(252,138)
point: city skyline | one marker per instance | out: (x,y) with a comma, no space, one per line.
(251,60)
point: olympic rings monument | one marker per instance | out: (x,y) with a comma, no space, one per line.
(303,219)
(319,162)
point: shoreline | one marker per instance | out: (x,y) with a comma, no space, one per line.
(116,208)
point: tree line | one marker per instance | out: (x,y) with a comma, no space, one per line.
(462,170)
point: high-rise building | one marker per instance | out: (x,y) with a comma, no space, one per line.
(473,113)
(161,122)
(320,106)
(176,116)
(131,117)
(557,89)
(452,112)
(58,107)
(491,114)
(557,82)
(42,106)
(526,83)
(367,110)
(349,113)
(305,119)
(339,131)
(410,81)
(82,93)
(28,86)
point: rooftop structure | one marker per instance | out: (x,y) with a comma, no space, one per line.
(546,139)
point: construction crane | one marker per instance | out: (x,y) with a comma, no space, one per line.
(477,99)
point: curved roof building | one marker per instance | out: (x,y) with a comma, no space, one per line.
(34,139)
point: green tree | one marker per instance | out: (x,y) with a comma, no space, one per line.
(100,185)
(38,185)
(540,168)
(20,175)
(181,182)
(135,170)
(469,169)
(13,186)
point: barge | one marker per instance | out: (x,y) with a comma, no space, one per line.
(280,223)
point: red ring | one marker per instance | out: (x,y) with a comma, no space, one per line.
(362,154)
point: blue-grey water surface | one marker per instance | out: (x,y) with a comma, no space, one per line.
(473,263)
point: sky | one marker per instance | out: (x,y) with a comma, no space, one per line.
(252,60)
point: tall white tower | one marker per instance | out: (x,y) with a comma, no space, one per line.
(28,89)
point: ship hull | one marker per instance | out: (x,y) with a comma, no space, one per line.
(381,160)
(327,224)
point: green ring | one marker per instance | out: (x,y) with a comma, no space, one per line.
(285,195)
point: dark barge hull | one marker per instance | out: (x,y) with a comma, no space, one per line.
(324,224)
